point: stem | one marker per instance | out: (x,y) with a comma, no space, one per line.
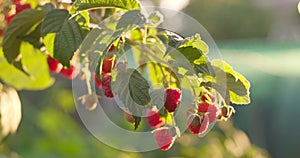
(145,35)
(124,54)
(163,73)
(194,91)
(88,84)
(173,120)
(149,51)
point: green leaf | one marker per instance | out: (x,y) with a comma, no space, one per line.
(67,41)
(139,88)
(89,4)
(195,42)
(19,27)
(157,97)
(129,21)
(137,121)
(156,18)
(39,72)
(54,21)
(134,98)
(34,37)
(203,66)
(237,85)
(67,34)
(190,53)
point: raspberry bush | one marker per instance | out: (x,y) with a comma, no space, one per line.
(128,56)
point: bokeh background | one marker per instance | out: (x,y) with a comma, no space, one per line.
(260,39)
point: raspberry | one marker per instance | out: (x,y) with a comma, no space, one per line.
(203,107)
(22,7)
(54,65)
(111,48)
(106,86)
(128,117)
(205,96)
(8,18)
(16,9)
(212,114)
(97,81)
(196,125)
(209,110)
(163,138)
(172,99)
(109,63)
(69,73)
(153,119)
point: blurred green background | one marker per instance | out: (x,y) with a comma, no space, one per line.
(259,39)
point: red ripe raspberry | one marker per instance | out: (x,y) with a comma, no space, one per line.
(69,73)
(111,48)
(204,97)
(21,7)
(54,65)
(196,125)
(97,81)
(209,110)
(109,63)
(203,107)
(9,18)
(163,138)
(153,119)
(106,86)
(212,114)
(172,99)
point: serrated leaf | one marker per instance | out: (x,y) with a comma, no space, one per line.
(10,110)
(156,18)
(195,42)
(203,66)
(139,88)
(190,53)
(158,98)
(67,41)
(89,4)
(67,34)
(39,72)
(120,87)
(34,37)
(129,21)
(237,85)
(19,27)
(54,21)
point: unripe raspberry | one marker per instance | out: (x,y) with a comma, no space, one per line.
(54,65)
(153,119)
(172,99)
(106,80)
(163,138)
